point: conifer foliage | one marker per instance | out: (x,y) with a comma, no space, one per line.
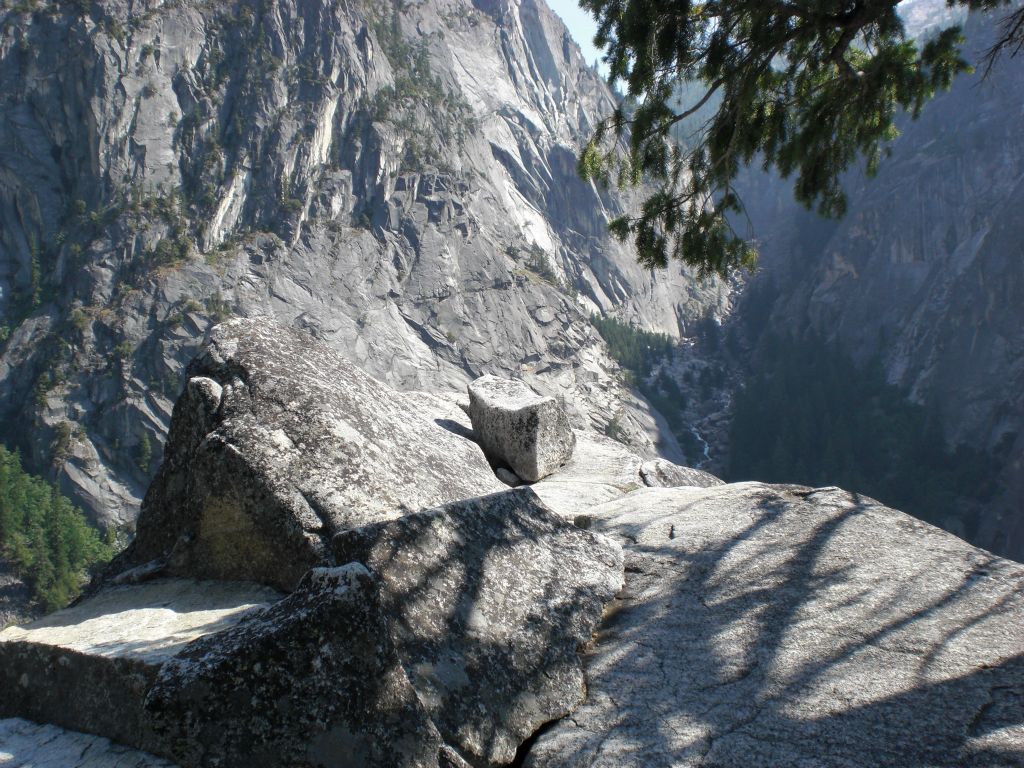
(802,86)
(47,540)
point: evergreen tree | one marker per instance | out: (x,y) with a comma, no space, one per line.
(802,86)
(47,540)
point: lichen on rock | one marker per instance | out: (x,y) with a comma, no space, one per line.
(313,680)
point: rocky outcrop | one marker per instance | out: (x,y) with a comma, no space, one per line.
(461,641)
(490,601)
(660,473)
(311,681)
(279,443)
(779,626)
(88,668)
(519,429)
(774,625)
(414,639)
(398,179)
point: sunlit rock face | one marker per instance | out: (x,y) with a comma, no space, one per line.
(519,429)
(780,625)
(401,184)
(591,619)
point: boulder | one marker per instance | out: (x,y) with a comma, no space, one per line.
(312,681)
(490,600)
(780,626)
(661,473)
(87,668)
(278,443)
(519,428)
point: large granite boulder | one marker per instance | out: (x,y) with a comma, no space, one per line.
(661,473)
(88,667)
(490,600)
(277,444)
(780,626)
(312,681)
(518,428)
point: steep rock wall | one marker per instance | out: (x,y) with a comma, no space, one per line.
(400,181)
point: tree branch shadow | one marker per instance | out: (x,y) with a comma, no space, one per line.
(765,647)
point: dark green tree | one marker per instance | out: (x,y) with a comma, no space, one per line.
(48,542)
(802,86)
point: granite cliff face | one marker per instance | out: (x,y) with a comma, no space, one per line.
(400,183)
(925,270)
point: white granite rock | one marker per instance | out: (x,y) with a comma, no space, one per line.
(779,626)
(24,744)
(277,444)
(88,667)
(600,470)
(519,428)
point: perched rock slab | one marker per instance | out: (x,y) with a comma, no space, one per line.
(87,668)
(519,428)
(490,601)
(783,626)
(24,744)
(312,681)
(277,444)
(661,473)
(601,470)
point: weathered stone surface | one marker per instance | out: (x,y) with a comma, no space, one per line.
(660,473)
(783,626)
(490,600)
(277,444)
(24,744)
(88,667)
(601,470)
(311,681)
(519,428)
